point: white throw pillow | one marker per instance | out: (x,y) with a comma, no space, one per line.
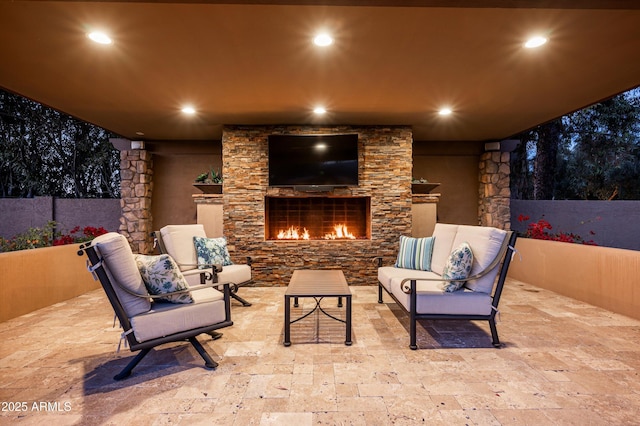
(161,275)
(211,251)
(458,267)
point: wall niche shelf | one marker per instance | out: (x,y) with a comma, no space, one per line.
(209,188)
(423,188)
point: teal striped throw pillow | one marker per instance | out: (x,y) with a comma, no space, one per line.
(415,253)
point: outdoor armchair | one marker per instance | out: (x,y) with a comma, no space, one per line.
(148,320)
(196,253)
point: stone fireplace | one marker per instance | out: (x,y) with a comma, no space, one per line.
(376,212)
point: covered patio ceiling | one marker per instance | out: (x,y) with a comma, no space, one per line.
(253,62)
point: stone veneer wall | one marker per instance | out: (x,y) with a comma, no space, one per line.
(135,186)
(384,173)
(494,193)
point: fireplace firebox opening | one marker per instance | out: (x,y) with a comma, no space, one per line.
(317,218)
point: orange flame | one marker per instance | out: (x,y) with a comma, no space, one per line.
(293,234)
(340,232)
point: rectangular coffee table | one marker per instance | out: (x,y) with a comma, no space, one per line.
(317,284)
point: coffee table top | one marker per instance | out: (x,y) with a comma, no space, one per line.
(318,282)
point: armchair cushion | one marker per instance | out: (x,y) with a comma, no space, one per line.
(211,251)
(165,319)
(123,272)
(161,275)
(415,253)
(178,240)
(458,267)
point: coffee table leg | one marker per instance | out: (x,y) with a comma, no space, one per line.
(287,320)
(340,302)
(295,302)
(348,337)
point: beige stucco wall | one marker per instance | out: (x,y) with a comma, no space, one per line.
(455,166)
(176,164)
(34,279)
(602,276)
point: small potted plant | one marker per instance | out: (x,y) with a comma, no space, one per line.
(209,182)
(422,186)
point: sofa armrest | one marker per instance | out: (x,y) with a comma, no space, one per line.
(379,261)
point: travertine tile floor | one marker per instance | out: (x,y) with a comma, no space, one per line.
(563,363)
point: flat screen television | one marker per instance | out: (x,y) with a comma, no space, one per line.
(313,160)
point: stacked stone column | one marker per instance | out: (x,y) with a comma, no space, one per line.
(136,184)
(494,192)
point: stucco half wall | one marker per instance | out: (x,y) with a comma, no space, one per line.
(602,276)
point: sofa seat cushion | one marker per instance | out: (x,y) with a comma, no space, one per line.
(443,235)
(431,299)
(166,318)
(116,251)
(237,274)
(178,240)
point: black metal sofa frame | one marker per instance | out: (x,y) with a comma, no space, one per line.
(504,257)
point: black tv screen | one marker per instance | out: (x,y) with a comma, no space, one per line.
(327,160)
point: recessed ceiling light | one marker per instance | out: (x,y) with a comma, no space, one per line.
(445,111)
(534,42)
(100,37)
(319,110)
(189,110)
(323,40)
(140,133)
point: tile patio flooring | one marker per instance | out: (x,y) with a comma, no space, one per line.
(563,363)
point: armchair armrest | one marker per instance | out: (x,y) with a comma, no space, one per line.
(164,295)
(197,287)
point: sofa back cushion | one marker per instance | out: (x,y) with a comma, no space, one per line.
(443,234)
(178,240)
(122,271)
(485,243)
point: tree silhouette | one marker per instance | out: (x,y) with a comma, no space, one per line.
(46,152)
(591,154)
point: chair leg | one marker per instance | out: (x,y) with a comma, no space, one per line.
(215,335)
(412,332)
(240,299)
(494,333)
(413,320)
(208,361)
(126,372)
